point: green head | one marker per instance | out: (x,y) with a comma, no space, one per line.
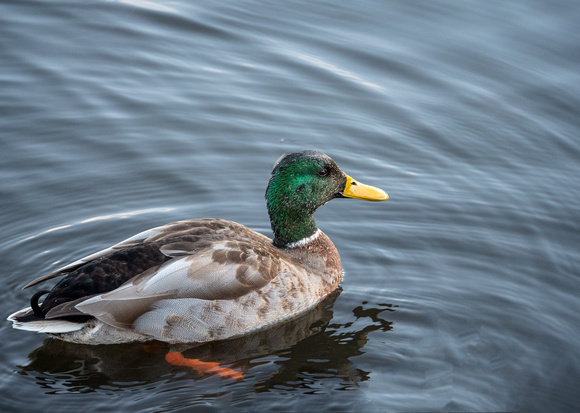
(300,183)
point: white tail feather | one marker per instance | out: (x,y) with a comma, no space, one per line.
(44,326)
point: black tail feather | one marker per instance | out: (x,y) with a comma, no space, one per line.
(37,308)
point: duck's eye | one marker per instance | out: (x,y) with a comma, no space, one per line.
(323,172)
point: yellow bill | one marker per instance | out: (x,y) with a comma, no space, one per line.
(354,189)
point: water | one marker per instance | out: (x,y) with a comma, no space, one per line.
(461,291)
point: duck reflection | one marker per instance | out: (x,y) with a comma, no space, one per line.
(298,351)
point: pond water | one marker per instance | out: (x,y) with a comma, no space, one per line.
(460,292)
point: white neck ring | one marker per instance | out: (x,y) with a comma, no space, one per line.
(304,241)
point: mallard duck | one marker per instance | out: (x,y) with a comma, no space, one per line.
(203,280)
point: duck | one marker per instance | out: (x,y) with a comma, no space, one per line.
(204,280)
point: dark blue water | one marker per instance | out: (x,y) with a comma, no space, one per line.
(460,292)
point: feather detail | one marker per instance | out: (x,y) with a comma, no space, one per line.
(43,326)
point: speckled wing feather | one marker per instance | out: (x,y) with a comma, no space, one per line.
(192,230)
(225,270)
(204,259)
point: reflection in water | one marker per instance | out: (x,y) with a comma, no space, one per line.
(300,351)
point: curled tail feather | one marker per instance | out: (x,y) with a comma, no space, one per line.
(36,307)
